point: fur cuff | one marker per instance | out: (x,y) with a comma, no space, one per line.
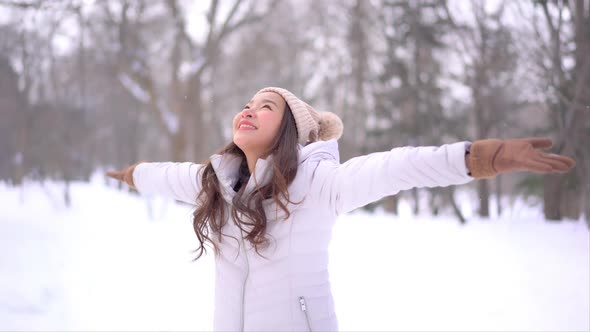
(480,159)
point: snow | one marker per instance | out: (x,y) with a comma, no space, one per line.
(117,261)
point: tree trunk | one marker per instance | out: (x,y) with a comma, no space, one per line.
(390,204)
(67,195)
(562,198)
(572,192)
(178,146)
(483,194)
(433,202)
(552,192)
(585,197)
(582,77)
(498,182)
(416,197)
(200,129)
(451,197)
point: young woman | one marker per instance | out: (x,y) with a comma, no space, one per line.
(267,203)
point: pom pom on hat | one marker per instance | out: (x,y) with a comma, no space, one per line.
(330,126)
(311,125)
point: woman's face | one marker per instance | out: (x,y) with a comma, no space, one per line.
(257,125)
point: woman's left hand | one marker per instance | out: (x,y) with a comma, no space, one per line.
(489,157)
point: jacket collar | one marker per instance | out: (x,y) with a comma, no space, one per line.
(227,166)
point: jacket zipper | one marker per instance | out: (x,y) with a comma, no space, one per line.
(304,309)
(245,282)
(243,245)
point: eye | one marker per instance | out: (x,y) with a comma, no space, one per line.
(267,106)
(246,107)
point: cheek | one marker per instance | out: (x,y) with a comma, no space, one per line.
(270,120)
(235,122)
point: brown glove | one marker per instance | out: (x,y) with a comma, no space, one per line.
(125,175)
(489,157)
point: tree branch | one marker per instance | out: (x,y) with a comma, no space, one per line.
(23,4)
(213,42)
(229,17)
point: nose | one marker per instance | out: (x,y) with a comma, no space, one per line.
(247,113)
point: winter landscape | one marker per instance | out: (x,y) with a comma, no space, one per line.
(89,86)
(117,261)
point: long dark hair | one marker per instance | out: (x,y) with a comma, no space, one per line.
(247,212)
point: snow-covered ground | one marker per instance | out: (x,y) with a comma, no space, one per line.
(116,261)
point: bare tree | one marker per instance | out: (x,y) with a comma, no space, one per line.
(20,50)
(562,69)
(174,91)
(489,61)
(358,47)
(13,103)
(409,108)
(275,52)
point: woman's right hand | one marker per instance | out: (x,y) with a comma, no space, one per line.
(124,175)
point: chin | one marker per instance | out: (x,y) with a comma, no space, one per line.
(246,144)
(241,142)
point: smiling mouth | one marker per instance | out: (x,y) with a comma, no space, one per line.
(246,127)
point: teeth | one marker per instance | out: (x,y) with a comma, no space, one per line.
(247,126)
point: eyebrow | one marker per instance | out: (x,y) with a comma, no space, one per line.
(266,101)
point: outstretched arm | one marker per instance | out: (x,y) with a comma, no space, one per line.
(365,179)
(179,181)
(368,178)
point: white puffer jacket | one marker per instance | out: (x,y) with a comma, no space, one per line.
(289,288)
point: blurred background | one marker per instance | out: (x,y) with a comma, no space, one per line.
(102,84)
(93,85)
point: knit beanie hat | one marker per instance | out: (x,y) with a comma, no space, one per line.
(311,125)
